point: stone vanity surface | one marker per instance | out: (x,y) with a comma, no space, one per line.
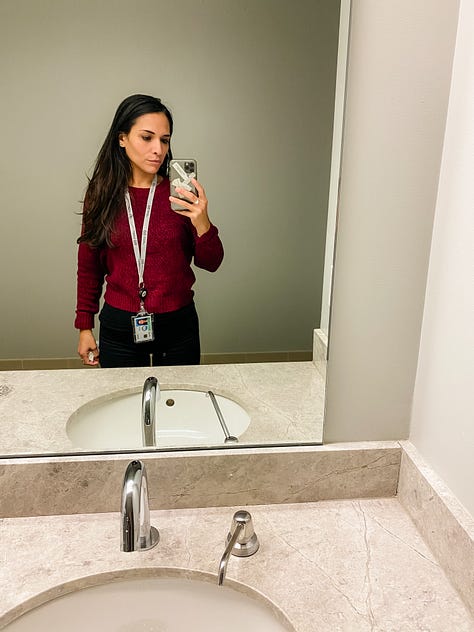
(285,400)
(342,565)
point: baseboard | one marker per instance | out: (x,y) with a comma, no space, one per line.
(47,364)
(445,525)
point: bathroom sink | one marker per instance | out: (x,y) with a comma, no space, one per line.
(184,417)
(154,604)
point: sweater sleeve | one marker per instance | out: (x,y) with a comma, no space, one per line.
(208,249)
(90,279)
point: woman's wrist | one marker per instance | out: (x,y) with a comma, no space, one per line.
(203,228)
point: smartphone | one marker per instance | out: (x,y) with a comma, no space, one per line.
(180,173)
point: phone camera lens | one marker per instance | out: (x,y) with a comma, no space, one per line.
(189,167)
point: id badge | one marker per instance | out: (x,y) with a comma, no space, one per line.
(142,325)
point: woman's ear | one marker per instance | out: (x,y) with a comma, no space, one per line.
(122,139)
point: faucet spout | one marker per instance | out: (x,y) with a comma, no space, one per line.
(242,541)
(136,532)
(150,395)
(228,550)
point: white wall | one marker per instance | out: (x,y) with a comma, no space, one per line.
(442,426)
(399,70)
(337,142)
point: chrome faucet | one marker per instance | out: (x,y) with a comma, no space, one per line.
(241,541)
(136,532)
(150,395)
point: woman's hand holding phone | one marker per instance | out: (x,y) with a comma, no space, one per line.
(195,207)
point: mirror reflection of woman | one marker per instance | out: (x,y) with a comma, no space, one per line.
(148,316)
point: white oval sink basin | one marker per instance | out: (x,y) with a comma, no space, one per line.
(183,418)
(154,604)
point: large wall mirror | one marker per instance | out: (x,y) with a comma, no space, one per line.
(252,86)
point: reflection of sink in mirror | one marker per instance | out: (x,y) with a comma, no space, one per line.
(152,604)
(183,418)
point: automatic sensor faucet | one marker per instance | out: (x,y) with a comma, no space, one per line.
(150,395)
(136,532)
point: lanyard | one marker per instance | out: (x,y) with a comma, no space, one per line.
(140,252)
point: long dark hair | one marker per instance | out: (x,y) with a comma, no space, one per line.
(105,193)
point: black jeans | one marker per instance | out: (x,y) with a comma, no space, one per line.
(176,339)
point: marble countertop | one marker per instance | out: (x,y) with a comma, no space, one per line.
(285,400)
(343,565)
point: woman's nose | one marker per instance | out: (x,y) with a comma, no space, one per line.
(157,148)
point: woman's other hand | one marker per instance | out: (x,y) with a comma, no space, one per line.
(87,348)
(195,207)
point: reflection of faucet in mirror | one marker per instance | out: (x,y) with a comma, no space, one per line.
(136,532)
(151,393)
(241,541)
(228,437)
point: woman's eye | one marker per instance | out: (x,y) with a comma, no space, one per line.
(146,137)
(165,141)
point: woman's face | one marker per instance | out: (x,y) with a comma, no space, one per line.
(146,146)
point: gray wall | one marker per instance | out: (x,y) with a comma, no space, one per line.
(251,87)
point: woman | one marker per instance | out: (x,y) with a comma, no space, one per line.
(148,317)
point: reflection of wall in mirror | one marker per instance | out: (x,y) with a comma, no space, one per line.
(251,86)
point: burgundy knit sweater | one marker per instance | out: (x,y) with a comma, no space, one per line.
(168,277)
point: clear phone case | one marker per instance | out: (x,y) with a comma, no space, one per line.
(182,170)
